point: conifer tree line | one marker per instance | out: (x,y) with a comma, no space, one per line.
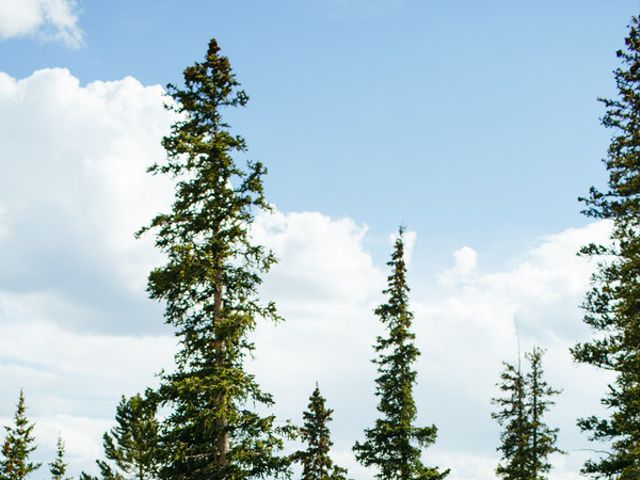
(210,419)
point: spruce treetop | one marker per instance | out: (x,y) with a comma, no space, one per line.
(18,445)
(209,285)
(315,459)
(58,468)
(540,400)
(394,445)
(512,416)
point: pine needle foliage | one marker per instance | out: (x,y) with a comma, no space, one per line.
(58,468)
(394,445)
(512,416)
(133,444)
(18,445)
(540,398)
(526,441)
(86,476)
(612,305)
(315,459)
(209,285)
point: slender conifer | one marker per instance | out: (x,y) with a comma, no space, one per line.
(512,417)
(394,446)
(543,438)
(216,426)
(58,468)
(315,459)
(18,445)
(612,305)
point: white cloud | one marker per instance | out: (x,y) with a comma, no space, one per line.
(73,197)
(466,329)
(466,261)
(317,249)
(82,436)
(54,20)
(326,287)
(73,381)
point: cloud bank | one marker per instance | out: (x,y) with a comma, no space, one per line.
(50,20)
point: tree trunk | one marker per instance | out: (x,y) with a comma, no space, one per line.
(222,440)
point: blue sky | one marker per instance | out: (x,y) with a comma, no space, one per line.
(389,111)
(473,123)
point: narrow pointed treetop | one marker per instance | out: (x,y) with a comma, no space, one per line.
(315,459)
(58,468)
(526,441)
(512,417)
(611,306)
(216,427)
(540,399)
(18,445)
(394,445)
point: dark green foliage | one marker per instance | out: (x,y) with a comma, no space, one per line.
(58,468)
(18,445)
(133,444)
(512,416)
(394,445)
(612,306)
(209,283)
(542,437)
(526,441)
(86,476)
(107,472)
(315,460)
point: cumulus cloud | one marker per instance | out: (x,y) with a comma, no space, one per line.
(465,262)
(317,248)
(72,381)
(74,314)
(326,286)
(466,329)
(54,20)
(75,189)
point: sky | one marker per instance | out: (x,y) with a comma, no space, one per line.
(475,124)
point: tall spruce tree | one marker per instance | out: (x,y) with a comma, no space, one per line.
(512,417)
(133,446)
(540,398)
(612,305)
(394,445)
(315,459)
(526,441)
(58,468)
(18,445)
(214,429)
